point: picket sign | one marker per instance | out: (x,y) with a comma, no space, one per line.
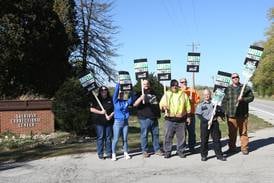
(251,62)
(89,83)
(124,81)
(164,74)
(141,71)
(193,64)
(223,80)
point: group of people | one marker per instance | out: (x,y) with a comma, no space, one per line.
(180,104)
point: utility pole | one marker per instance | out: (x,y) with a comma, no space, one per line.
(194,47)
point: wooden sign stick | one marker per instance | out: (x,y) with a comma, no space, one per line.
(101,106)
(142,89)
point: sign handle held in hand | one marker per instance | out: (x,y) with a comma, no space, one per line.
(166,113)
(222,81)
(241,94)
(101,106)
(212,116)
(142,87)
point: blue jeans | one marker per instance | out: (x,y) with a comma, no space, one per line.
(191,133)
(118,127)
(104,134)
(148,125)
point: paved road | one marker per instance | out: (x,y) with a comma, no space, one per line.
(264,109)
(256,167)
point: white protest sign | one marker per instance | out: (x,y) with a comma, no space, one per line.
(255,52)
(218,96)
(88,82)
(223,80)
(193,62)
(125,81)
(141,68)
(164,70)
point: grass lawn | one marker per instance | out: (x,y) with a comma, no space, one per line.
(255,123)
(57,149)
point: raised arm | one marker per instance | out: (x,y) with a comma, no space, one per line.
(116,93)
(131,98)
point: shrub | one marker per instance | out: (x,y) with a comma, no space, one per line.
(71,107)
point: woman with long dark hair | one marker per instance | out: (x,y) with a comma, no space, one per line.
(103,119)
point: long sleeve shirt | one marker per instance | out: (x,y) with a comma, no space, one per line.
(230,101)
(121,111)
(194,98)
(177,102)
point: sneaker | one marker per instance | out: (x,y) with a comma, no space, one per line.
(167,155)
(182,155)
(126,156)
(159,153)
(145,155)
(108,156)
(203,158)
(113,157)
(101,157)
(221,158)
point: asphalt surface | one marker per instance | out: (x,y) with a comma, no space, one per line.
(263,108)
(258,166)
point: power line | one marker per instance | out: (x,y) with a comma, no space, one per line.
(194,16)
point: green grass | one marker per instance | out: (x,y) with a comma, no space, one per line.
(38,151)
(271,98)
(255,123)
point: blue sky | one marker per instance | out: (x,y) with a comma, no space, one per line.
(164,29)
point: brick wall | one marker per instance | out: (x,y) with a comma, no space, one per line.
(27,117)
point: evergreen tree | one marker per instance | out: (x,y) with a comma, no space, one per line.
(154,83)
(66,11)
(33,48)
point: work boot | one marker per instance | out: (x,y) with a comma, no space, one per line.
(245,152)
(204,158)
(159,153)
(182,154)
(145,155)
(167,155)
(221,158)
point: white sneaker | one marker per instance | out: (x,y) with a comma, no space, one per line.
(126,156)
(113,157)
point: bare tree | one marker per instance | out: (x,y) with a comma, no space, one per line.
(97,45)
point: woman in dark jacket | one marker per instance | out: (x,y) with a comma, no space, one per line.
(103,119)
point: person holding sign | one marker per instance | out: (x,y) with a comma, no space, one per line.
(103,119)
(236,108)
(204,112)
(194,98)
(121,115)
(178,108)
(148,114)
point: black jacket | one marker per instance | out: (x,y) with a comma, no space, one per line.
(100,118)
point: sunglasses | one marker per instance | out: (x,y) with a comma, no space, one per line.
(234,77)
(183,82)
(174,85)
